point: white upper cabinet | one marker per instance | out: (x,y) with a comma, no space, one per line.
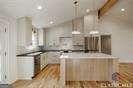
(24,31)
(41,37)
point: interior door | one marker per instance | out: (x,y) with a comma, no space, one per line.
(2,53)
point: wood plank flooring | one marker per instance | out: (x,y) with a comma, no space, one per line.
(49,78)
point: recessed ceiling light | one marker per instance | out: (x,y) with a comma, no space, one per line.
(87,10)
(122,10)
(51,22)
(39,7)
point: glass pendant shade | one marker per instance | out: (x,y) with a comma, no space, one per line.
(75,32)
(75,28)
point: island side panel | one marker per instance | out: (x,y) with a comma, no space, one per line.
(95,69)
(62,73)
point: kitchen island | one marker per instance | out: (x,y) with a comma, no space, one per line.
(87,67)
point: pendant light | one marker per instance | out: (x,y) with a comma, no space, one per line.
(94,31)
(75,21)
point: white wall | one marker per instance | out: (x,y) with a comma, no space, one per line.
(122,37)
(121,32)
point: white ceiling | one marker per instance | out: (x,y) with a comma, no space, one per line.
(57,11)
(127,15)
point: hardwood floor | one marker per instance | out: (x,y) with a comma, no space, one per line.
(49,78)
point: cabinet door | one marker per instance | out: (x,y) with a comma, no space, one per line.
(24,32)
(45,59)
(25,67)
(28,31)
(41,37)
(42,61)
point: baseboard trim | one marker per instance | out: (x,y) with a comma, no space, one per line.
(54,64)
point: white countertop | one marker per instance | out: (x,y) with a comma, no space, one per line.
(86,56)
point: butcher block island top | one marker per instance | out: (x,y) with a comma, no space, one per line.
(88,67)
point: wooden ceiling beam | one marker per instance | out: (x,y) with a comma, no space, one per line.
(106,7)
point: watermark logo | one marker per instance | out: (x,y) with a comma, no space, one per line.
(116,83)
(115,76)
